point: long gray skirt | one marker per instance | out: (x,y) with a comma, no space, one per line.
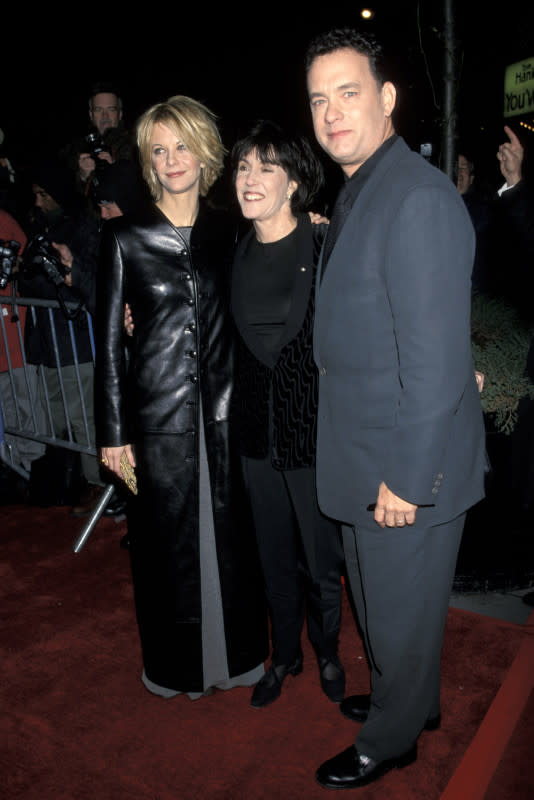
(214,656)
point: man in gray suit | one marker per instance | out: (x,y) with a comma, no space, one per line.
(400,454)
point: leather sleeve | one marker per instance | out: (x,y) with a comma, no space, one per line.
(110,367)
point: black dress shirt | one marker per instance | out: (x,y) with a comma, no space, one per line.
(347,197)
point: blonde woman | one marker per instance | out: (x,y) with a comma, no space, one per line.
(198,598)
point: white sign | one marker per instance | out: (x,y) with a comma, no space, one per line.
(519,88)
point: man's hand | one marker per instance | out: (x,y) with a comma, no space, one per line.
(393,511)
(105,156)
(510,155)
(66,258)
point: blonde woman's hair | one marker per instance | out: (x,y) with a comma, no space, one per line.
(195,126)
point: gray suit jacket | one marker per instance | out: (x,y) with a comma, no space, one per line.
(398,400)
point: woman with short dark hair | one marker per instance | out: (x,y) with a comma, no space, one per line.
(275,402)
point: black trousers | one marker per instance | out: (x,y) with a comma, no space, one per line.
(401,580)
(301,558)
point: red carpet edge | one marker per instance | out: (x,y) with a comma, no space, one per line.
(474,774)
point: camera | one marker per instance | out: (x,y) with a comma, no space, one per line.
(40,256)
(95,146)
(9,251)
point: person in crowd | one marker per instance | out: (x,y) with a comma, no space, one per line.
(275,402)
(18,386)
(199,601)
(73,238)
(465,174)
(400,440)
(514,257)
(12,190)
(479,211)
(512,241)
(106,116)
(108,140)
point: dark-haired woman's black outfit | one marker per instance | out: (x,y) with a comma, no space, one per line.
(197,584)
(275,415)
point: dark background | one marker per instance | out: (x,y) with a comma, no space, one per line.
(245,62)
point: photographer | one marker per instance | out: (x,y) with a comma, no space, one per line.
(107,141)
(62,267)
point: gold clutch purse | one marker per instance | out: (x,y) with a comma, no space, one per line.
(128,473)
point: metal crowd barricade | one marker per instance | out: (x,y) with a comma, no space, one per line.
(25,405)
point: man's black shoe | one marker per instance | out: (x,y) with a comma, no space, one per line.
(356,707)
(332,677)
(268,689)
(351,769)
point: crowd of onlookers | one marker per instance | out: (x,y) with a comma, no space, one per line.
(55,212)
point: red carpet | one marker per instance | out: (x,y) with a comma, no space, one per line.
(77,722)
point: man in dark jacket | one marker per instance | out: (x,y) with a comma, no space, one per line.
(400,440)
(478,207)
(108,141)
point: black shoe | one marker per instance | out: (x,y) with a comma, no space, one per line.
(332,677)
(356,707)
(351,769)
(268,689)
(116,507)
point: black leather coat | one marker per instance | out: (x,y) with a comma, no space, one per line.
(181,357)
(275,399)
(182,337)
